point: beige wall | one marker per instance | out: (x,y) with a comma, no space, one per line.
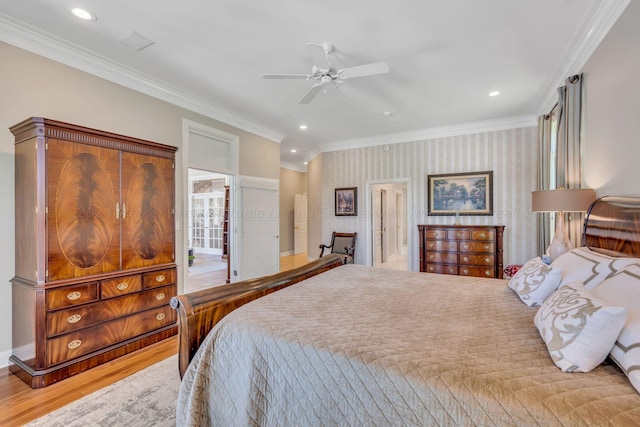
(315,211)
(510,154)
(611,105)
(291,183)
(35,86)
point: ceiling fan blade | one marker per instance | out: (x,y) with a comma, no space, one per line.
(311,93)
(364,70)
(285,76)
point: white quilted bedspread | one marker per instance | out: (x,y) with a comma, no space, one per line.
(359,346)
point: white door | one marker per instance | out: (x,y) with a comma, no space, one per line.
(259,227)
(300,224)
(206,223)
(376,226)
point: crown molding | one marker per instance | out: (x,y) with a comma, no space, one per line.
(600,19)
(293,166)
(26,37)
(437,132)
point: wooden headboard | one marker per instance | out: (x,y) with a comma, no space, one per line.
(612,226)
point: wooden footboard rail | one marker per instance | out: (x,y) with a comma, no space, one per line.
(198,312)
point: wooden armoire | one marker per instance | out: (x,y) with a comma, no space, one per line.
(95,248)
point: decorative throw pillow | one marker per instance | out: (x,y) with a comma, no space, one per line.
(578,328)
(624,289)
(590,267)
(535,281)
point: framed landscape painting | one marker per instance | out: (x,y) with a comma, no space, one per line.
(347,201)
(461,193)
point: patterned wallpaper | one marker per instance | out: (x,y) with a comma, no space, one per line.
(510,154)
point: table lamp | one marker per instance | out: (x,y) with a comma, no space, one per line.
(561,200)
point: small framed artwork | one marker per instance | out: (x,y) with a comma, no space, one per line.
(461,193)
(347,201)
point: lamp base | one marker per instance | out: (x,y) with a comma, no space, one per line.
(560,243)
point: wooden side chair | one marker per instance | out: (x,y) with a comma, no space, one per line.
(343,244)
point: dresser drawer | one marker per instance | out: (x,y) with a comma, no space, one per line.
(121,286)
(442,269)
(486,247)
(72,295)
(479,260)
(436,234)
(442,257)
(159,278)
(72,319)
(458,234)
(441,245)
(79,343)
(483,235)
(477,271)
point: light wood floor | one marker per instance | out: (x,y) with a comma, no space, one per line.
(20,404)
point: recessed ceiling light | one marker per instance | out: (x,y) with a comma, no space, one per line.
(387,113)
(83,14)
(303,127)
(293,150)
(305,163)
(494,93)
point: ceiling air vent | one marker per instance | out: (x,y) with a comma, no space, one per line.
(134,41)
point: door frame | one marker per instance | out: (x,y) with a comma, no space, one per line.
(182,179)
(411,221)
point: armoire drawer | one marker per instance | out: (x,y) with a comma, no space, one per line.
(483,247)
(71,319)
(120,286)
(159,278)
(441,245)
(72,295)
(442,269)
(84,341)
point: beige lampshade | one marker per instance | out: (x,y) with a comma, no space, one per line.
(562,200)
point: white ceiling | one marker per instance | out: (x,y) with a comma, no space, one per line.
(444,58)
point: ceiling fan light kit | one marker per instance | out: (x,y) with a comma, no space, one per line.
(328,76)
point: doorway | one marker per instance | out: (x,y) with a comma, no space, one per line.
(388,226)
(206,217)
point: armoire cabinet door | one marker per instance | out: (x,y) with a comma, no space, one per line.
(83,225)
(147,210)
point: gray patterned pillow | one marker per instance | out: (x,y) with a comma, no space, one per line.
(578,328)
(624,289)
(590,267)
(535,281)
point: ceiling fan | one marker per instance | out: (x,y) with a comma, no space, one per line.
(327,76)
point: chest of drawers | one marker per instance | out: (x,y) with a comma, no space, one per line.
(471,250)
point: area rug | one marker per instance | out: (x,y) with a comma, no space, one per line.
(146,398)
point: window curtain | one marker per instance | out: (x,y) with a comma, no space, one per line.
(559,157)
(544,175)
(568,154)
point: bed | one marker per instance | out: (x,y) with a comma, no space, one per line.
(354,345)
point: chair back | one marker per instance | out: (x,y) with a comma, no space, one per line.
(343,243)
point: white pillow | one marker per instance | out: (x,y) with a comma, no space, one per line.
(578,328)
(590,267)
(535,281)
(624,289)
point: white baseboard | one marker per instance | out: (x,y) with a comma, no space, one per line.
(286,253)
(4,358)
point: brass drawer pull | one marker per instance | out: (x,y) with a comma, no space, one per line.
(432,268)
(465,259)
(486,247)
(74,344)
(488,273)
(465,247)
(431,256)
(487,260)
(483,235)
(160,296)
(75,318)
(430,245)
(122,286)
(160,316)
(465,271)
(72,296)
(160,278)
